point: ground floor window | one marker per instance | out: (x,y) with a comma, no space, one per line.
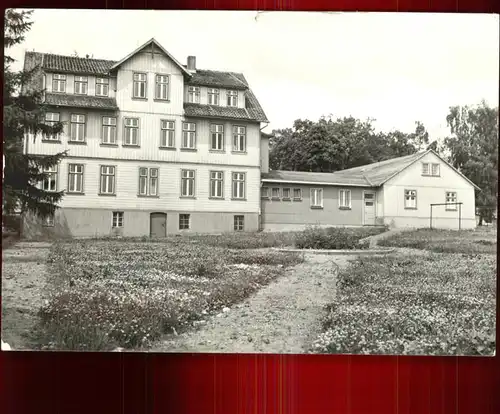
(184,221)
(316,197)
(451,197)
(297,194)
(239,223)
(117,219)
(411,199)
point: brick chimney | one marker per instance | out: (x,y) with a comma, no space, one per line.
(191,63)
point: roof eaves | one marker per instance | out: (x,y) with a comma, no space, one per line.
(335,184)
(404,167)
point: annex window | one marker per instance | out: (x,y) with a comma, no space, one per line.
(345,198)
(316,197)
(108,130)
(58,83)
(239,138)
(102,86)
(81,85)
(411,199)
(161,90)
(216,184)
(184,221)
(239,185)
(187,183)
(77,128)
(213,96)
(286,194)
(167,134)
(297,194)
(48,221)
(75,178)
(107,185)
(193,94)
(435,170)
(148,181)
(430,169)
(239,223)
(232,98)
(49,183)
(117,219)
(51,119)
(131,131)
(189,135)
(140,85)
(264,192)
(217,137)
(275,193)
(451,197)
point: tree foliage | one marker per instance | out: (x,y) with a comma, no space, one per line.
(335,144)
(24,113)
(473,149)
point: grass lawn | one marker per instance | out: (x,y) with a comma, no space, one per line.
(481,240)
(430,303)
(104,294)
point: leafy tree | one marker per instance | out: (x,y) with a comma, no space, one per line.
(473,150)
(24,113)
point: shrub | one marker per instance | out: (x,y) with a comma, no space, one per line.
(335,237)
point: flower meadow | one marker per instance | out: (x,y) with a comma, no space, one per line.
(104,294)
(436,304)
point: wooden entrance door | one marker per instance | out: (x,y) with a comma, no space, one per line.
(158,226)
(369,208)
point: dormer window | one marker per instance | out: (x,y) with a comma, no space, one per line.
(193,94)
(58,83)
(430,169)
(232,98)
(213,96)
(81,83)
(140,81)
(102,87)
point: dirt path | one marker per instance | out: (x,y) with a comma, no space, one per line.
(283,317)
(23,281)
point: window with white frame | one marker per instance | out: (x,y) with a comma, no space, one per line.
(117,220)
(131,131)
(425,168)
(232,98)
(345,198)
(239,138)
(75,178)
(264,192)
(217,137)
(435,170)
(213,96)
(431,169)
(239,223)
(140,86)
(49,183)
(286,194)
(216,184)
(275,193)
(411,199)
(193,94)
(238,185)
(51,119)
(102,86)
(187,183)
(451,197)
(77,128)
(108,130)
(161,90)
(189,135)
(316,197)
(297,194)
(184,221)
(49,221)
(107,179)
(167,134)
(148,181)
(81,85)
(58,83)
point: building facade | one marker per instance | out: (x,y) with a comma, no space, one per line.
(154,147)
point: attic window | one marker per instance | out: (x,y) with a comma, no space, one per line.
(232,98)
(58,83)
(213,96)
(139,85)
(430,169)
(101,86)
(193,94)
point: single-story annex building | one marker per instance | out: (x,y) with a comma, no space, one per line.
(397,193)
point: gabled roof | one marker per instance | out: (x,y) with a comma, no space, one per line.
(80,101)
(231,80)
(152,42)
(370,175)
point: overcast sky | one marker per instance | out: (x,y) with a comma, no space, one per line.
(396,68)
